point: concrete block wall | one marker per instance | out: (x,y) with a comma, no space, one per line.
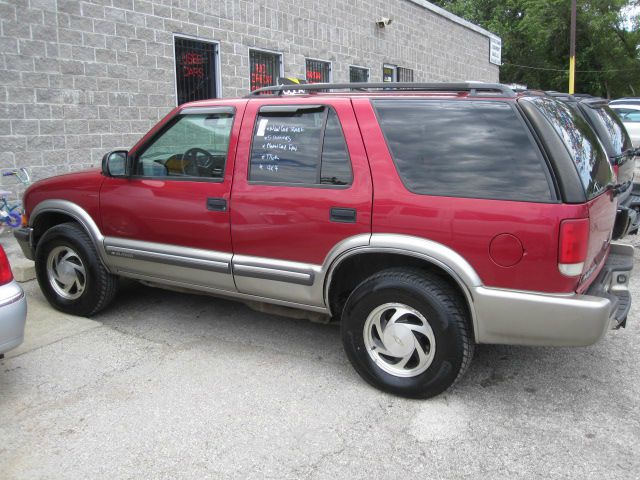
(81,77)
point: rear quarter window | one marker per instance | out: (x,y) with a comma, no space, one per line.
(582,143)
(474,149)
(614,128)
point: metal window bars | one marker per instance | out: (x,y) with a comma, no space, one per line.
(318,71)
(405,74)
(358,74)
(195,70)
(264,69)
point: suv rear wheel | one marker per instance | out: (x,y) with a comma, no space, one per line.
(70,273)
(407,332)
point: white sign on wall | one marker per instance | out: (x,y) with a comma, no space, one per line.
(495,50)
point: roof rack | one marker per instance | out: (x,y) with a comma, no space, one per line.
(472,87)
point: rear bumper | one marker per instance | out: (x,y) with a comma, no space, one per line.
(13,314)
(529,318)
(24,236)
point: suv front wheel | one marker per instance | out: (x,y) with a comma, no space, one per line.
(69,272)
(407,332)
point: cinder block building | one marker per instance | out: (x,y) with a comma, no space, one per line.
(81,77)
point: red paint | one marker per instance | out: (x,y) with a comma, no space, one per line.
(290,222)
(81,188)
(172,212)
(467,226)
(506,250)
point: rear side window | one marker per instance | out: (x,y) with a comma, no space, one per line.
(304,146)
(615,129)
(584,147)
(475,149)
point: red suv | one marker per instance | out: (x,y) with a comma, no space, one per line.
(425,218)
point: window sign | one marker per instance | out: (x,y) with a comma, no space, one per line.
(195,70)
(301,147)
(264,68)
(358,74)
(318,71)
(389,73)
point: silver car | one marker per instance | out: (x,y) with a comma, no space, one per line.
(630,116)
(13,307)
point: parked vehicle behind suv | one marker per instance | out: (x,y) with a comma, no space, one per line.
(630,116)
(618,145)
(13,308)
(425,218)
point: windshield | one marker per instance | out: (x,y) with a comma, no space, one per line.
(582,144)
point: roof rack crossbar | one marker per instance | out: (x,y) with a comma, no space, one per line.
(471,87)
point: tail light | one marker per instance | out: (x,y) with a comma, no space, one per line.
(572,248)
(5,269)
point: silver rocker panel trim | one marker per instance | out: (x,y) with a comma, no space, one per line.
(499,315)
(168,254)
(277,270)
(225,293)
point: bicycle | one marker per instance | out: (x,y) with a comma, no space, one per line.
(11,214)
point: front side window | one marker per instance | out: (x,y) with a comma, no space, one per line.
(195,70)
(302,146)
(473,149)
(194,146)
(581,142)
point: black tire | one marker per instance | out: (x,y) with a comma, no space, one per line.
(432,297)
(98,286)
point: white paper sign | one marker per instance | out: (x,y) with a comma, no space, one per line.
(262,126)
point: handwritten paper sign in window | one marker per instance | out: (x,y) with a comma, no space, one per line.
(286,147)
(289,147)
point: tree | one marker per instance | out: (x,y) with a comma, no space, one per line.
(535,42)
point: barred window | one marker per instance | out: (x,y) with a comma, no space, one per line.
(405,74)
(264,68)
(196,71)
(358,74)
(318,71)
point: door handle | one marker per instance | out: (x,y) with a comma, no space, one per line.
(342,215)
(217,204)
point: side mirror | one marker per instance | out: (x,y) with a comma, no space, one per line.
(114,163)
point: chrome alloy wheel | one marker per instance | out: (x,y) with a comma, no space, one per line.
(66,273)
(399,340)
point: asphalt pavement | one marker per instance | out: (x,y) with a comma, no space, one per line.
(166,385)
